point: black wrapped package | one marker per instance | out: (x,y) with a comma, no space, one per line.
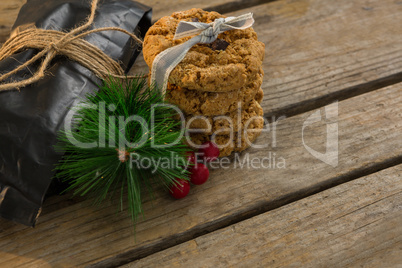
(31,118)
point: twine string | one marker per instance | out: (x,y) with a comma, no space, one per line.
(51,43)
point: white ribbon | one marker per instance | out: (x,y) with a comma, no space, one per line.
(206,33)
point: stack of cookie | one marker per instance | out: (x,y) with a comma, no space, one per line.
(217,85)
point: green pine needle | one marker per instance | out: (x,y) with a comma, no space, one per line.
(105,168)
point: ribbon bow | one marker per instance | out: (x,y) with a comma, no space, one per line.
(205,33)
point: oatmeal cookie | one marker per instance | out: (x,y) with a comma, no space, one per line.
(259,96)
(230,63)
(237,120)
(213,103)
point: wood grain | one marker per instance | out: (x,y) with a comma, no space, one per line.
(318,51)
(9,9)
(8,13)
(356,224)
(165,8)
(369,127)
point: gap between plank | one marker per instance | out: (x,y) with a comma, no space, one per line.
(230,7)
(350,92)
(256,210)
(236,5)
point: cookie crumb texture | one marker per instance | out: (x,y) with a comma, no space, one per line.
(244,118)
(204,68)
(214,103)
(237,135)
(219,44)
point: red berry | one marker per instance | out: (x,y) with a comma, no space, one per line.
(199,174)
(210,151)
(180,189)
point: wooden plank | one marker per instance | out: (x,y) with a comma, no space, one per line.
(165,8)
(8,13)
(318,51)
(9,9)
(370,127)
(89,235)
(356,224)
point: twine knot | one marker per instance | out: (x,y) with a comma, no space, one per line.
(55,47)
(51,43)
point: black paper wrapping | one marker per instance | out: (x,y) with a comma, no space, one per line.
(31,118)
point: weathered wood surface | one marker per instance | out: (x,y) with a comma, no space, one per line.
(356,224)
(317,52)
(8,13)
(9,9)
(369,127)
